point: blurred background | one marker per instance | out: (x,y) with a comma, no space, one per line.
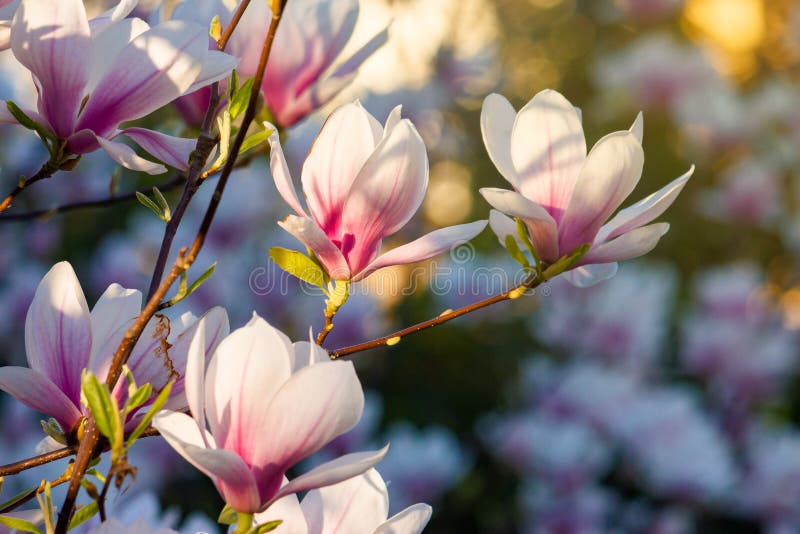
(665,400)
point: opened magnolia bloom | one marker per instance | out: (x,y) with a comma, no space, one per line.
(565,196)
(363,183)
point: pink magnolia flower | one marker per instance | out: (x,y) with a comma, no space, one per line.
(93,75)
(362,183)
(300,75)
(564,195)
(359,504)
(62,337)
(268,405)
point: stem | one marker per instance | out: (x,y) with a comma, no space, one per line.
(185,259)
(48,169)
(533,280)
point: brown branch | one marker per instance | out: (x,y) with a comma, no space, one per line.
(533,280)
(185,259)
(35,461)
(52,166)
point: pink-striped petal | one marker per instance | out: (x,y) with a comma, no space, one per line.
(174,151)
(358,504)
(108,45)
(115,308)
(315,239)
(52,39)
(216,66)
(589,275)
(542,227)
(58,336)
(287,510)
(643,211)
(630,245)
(36,391)
(280,172)
(412,520)
(548,149)
(611,171)
(497,122)
(425,247)
(502,225)
(344,144)
(125,156)
(332,472)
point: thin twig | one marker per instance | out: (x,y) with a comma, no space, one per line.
(532,281)
(47,170)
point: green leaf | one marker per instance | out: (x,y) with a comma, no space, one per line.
(17,497)
(233,85)
(515,252)
(228,516)
(202,278)
(45,501)
(19,524)
(47,137)
(163,395)
(145,201)
(139,397)
(83,514)
(240,98)
(163,204)
(522,232)
(255,140)
(564,263)
(104,409)
(215,30)
(184,290)
(299,265)
(54,430)
(266,527)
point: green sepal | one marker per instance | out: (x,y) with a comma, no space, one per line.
(299,265)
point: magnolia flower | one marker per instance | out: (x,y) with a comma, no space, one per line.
(564,195)
(268,405)
(362,183)
(92,76)
(310,37)
(7,10)
(62,338)
(360,504)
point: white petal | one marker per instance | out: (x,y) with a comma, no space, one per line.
(412,520)
(630,245)
(280,172)
(116,307)
(588,275)
(125,156)
(542,227)
(497,121)
(358,504)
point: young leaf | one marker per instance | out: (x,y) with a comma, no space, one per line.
(299,265)
(46,504)
(184,291)
(146,202)
(83,514)
(565,262)
(228,516)
(255,140)
(154,409)
(21,525)
(53,429)
(240,98)
(47,137)
(522,232)
(266,527)
(104,409)
(17,497)
(215,30)
(139,397)
(163,204)
(515,252)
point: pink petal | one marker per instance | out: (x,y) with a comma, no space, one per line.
(630,245)
(358,504)
(332,472)
(308,233)
(246,372)
(52,39)
(58,336)
(115,14)
(174,151)
(542,227)
(386,193)
(643,211)
(115,308)
(612,170)
(280,172)
(344,144)
(125,156)
(109,39)
(412,520)
(216,66)
(36,391)
(497,122)
(548,149)
(287,510)
(425,247)
(588,275)
(637,128)
(154,69)
(317,404)
(230,473)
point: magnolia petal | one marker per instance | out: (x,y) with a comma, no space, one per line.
(332,472)
(355,505)
(194,383)
(174,151)
(125,156)
(637,128)
(39,393)
(5,34)
(630,245)
(588,275)
(280,172)
(154,69)
(246,372)
(643,211)
(425,247)
(497,121)
(315,239)
(312,98)
(344,144)
(52,39)
(542,227)
(548,149)
(58,335)
(116,307)
(216,66)
(107,45)
(307,353)
(412,520)
(612,170)
(115,14)
(502,226)
(287,510)
(299,423)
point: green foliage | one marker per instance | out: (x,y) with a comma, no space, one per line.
(299,265)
